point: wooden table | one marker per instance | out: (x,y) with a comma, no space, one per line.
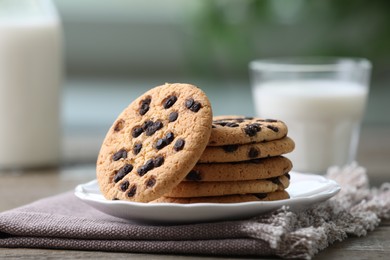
(18,188)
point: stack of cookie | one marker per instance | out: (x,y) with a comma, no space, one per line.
(242,162)
(166,147)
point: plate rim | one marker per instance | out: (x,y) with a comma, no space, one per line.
(178,213)
(327,193)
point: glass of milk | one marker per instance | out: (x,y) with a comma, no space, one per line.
(321,99)
(30,75)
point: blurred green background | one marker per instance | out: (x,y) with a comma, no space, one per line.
(117,49)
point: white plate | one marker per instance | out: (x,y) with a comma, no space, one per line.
(305,190)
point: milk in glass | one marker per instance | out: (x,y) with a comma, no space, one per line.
(323,118)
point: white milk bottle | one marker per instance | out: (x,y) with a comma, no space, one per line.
(322,101)
(30,75)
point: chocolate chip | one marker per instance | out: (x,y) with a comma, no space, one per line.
(227,123)
(161,143)
(119,125)
(169,101)
(287,175)
(270,120)
(153,128)
(158,161)
(122,153)
(231,124)
(248,118)
(261,195)
(252,129)
(141,171)
(147,124)
(123,172)
(273,128)
(213,126)
(144,107)
(230,148)
(115,199)
(124,186)
(192,105)
(158,125)
(151,182)
(136,131)
(253,152)
(194,175)
(132,191)
(179,145)
(169,137)
(149,165)
(189,102)
(275,180)
(173,116)
(196,106)
(221,123)
(137,148)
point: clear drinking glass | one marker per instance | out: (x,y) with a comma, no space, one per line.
(321,99)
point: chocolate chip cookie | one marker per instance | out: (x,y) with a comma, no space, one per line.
(229,130)
(248,170)
(187,189)
(154,143)
(244,152)
(272,196)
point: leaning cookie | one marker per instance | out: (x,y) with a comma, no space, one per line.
(154,143)
(272,196)
(206,189)
(247,170)
(235,153)
(229,130)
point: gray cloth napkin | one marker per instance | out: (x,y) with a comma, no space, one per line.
(64,222)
